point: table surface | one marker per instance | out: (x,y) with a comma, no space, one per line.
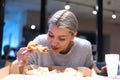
(94,76)
(56,77)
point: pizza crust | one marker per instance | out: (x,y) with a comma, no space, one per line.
(33,46)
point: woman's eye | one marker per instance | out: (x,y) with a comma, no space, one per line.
(62,39)
(50,35)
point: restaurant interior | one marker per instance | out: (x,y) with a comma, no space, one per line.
(22,20)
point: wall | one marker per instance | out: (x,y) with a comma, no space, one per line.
(12,32)
(33,17)
(114,31)
(110,29)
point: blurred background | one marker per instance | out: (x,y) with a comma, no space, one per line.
(25,19)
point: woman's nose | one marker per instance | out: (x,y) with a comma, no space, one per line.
(54,42)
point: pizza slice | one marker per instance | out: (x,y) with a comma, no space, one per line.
(33,46)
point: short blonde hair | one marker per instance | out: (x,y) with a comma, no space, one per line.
(64,19)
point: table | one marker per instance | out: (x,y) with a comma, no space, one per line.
(55,77)
(94,76)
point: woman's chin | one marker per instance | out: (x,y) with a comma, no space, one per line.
(55,51)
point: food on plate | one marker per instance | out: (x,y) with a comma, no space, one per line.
(60,72)
(71,72)
(33,46)
(38,71)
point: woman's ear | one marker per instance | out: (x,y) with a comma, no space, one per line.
(75,34)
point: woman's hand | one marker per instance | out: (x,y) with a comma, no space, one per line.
(22,56)
(86,71)
(101,71)
(24,52)
(104,70)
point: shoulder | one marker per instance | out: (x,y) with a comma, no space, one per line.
(82,42)
(41,39)
(83,45)
(41,36)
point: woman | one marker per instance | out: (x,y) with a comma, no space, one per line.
(65,49)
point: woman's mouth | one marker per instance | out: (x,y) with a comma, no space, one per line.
(55,48)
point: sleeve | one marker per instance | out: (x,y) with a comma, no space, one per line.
(32,59)
(41,39)
(89,57)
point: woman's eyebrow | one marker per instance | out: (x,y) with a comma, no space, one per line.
(63,35)
(50,32)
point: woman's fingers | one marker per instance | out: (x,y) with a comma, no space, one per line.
(104,70)
(23,54)
(21,50)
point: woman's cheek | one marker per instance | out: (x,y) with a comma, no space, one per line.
(49,40)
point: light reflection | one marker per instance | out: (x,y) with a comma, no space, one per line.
(11,31)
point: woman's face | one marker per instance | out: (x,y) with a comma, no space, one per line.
(59,38)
